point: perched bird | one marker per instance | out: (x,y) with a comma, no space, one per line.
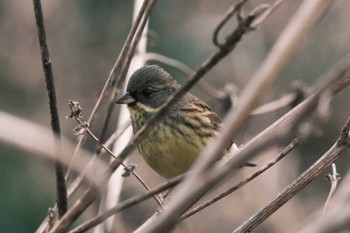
(175,142)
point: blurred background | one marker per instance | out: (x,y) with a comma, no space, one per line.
(85,37)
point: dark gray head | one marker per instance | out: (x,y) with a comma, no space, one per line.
(149,85)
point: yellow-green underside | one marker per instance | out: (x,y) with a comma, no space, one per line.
(168,152)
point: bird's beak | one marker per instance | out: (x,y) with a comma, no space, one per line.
(126,99)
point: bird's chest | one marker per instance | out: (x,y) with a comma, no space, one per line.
(167,151)
(169,148)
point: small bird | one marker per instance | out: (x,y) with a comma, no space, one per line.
(176,141)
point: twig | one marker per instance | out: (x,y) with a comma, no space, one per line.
(87,129)
(333,178)
(262,11)
(283,153)
(77,182)
(61,189)
(231,12)
(79,206)
(338,86)
(83,128)
(337,150)
(275,105)
(331,78)
(337,216)
(126,204)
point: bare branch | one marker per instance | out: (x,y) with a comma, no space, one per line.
(126,204)
(87,130)
(333,178)
(337,216)
(77,182)
(61,189)
(229,14)
(337,150)
(262,169)
(338,86)
(275,105)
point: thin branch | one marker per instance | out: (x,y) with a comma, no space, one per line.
(61,189)
(281,155)
(143,183)
(275,105)
(337,150)
(126,204)
(262,11)
(345,82)
(83,128)
(79,206)
(334,77)
(333,178)
(77,182)
(337,216)
(134,60)
(229,14)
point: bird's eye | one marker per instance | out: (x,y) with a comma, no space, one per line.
(147,93)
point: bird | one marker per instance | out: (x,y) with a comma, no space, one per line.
(175,142)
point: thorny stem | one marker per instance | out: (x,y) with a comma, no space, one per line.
(333,178)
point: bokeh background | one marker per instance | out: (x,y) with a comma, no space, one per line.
(84,39)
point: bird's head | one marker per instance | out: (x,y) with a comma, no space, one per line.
(149,86)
